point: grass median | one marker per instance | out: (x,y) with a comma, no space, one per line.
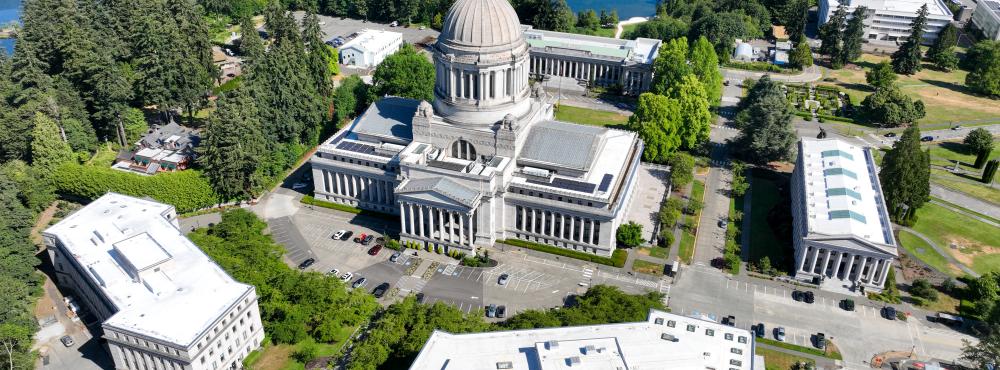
(617,258)
(828,353)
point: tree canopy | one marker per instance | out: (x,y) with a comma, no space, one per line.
(980,143)
(906,60)
(765,120)
(983,62)
(406,74)
(890,107)
(881,75)
(657,119)
(905,175)
(801,55)
(629,234)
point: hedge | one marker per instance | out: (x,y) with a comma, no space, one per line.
(309,199)
(186,190)
(617,258)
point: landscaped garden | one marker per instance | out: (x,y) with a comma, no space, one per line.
(770,222)
(775,360)
(822,102)
(591,117)
(690,230)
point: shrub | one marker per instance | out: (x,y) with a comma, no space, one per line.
(666,238)
(617,258)
(307,352)
(186,190)
(629,234)
(923,289)
(393,244)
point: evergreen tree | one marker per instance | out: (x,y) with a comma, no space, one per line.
(588,20)
(31,88)
(251,45)
(318,56)
(291,109)
(980,143)
(670,65)
(890,107)
(657,119)
(906,60)
(233,147)
(766,122)
(692,100)
(905,174)
(796,16)
(193,62)
(705,65)
(48,150)
(881,75)
(831,34)
(801,56)
(853,36)
(406,74)
(946,40)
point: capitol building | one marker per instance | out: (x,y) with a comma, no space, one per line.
(485,161)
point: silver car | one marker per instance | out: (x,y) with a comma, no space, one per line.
(779,334)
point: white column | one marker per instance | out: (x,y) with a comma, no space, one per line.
(420,216)
(532,229)
(562,226)
(836,266)
(885,273)
(411,216)
(861,268)
(873,272)
(805,256)
(572,225)
(451,227)
(461,229)
(812,267)
(593,226)
(402,219)
(472,236)
(850,266)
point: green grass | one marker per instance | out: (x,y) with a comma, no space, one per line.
(591,117)
(310,200)
(617,258)
(606,32)
(807,350)
(686,249)
(629,28)
(659,252)
(774,360)
(921,250)
(647,267)
(945,152)
(763,242)
(976,190)
(953,205)
(977,241)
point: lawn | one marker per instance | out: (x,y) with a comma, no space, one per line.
(591,117)
(279,356)
(764,196)
(774,360)
(686,249)
(830,351)
(921,250)
(647,267)
(945,152)
(965,185)
(977,243)
(944,94)
(658,252)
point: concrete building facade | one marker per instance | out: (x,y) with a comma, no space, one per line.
(663,341)
(162,302)
(986,17)
(596,61)
(841,229)
(889,20)
(369,48)
(485,161)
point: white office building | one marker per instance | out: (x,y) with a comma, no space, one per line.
(889,20)
(663,341)
(986,17)
(369,48)
(163,303)
(842,234)
(485,161)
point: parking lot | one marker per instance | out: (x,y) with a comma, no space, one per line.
(344,27)
(859,334)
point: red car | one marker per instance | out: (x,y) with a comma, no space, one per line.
(360,238)
(374,251)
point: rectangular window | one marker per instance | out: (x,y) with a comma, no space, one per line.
(743,339)
(690,328)
(710,332)
(729,336)
(736,351)
(671,323)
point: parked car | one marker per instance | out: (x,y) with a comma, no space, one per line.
(360,238)
(420,297)
(360,283)
(890,134)
(927,138)
(501,311)
(779,334)
(889,312)
(491,310)
(346,277)
(347,235)
(367,240)
(718,263)
(299,185)
(809,297)
(820,340)
(723,223)
(394,257)
(308,262)
(334,273)
(797,295)
(374,251)
(729,320)
(726,82)
(946,319)
(760,330)
(380,240)
(503,279)
(339,234)
(956,127)
(847,304)
(380,290)
(67,341)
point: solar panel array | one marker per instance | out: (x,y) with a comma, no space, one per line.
(567,184)
(356,147)
(605,182)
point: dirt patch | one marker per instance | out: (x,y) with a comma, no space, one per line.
(42,223)
(642,251)
(966,250)
(274,357)
(948,98)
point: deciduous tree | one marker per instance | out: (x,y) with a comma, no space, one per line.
(657,119)
(984,62)
(980,143)
(670,65)
(629,234)
(405,73)
(890,107)
(705,65)
(881,75)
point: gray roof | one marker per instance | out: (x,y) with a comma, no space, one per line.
(388,117)
(157,137)
(481,23)
(441,189)
(562,144)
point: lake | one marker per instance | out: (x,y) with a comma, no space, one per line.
(10,10)
(626,9)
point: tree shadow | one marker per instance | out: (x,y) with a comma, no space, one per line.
(954,147)
(948,85)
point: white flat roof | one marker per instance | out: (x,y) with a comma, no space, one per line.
(664,341)
(372,40)
(842,193)
(181,292)
(641,50)
(934,7)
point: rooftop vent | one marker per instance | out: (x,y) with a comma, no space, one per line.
(589,349)
(552,344)
(668,337)
(505,365)
(572,361)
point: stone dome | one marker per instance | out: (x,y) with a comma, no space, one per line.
(481,24)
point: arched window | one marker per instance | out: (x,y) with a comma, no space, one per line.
(462,149)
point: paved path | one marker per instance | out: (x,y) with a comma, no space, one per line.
(821,362)
(810,74)
(967,213)
(944,252)
(964,200)
(621,29)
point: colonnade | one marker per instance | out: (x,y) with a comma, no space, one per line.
(361,188)
(557,225)
(632,81)
(498,84)
(420,220)
(845,266)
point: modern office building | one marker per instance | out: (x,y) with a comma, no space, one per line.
(598,61)
(986,17)
(663,341)
(889,20)
(485,161)
(841,229)
(163,303)
(369,48)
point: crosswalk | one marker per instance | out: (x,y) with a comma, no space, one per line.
(588,275)
(449,270)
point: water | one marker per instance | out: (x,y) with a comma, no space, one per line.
(626,9)
(10,10)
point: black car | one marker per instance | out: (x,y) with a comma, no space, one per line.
(797,295)
(718,262)
(305,264)
(927,138)
(809,297)
(760,329)
(890,134)
(729,320)
(847,304)
(889,312)
(360,283)
(347,235)
(820,340)
(368,239)
(501,311)
(380,290)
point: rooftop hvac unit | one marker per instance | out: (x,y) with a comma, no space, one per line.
(534,171)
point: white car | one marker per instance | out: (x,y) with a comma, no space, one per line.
(346,276)
(339,234)
(334,272)
(299,185)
